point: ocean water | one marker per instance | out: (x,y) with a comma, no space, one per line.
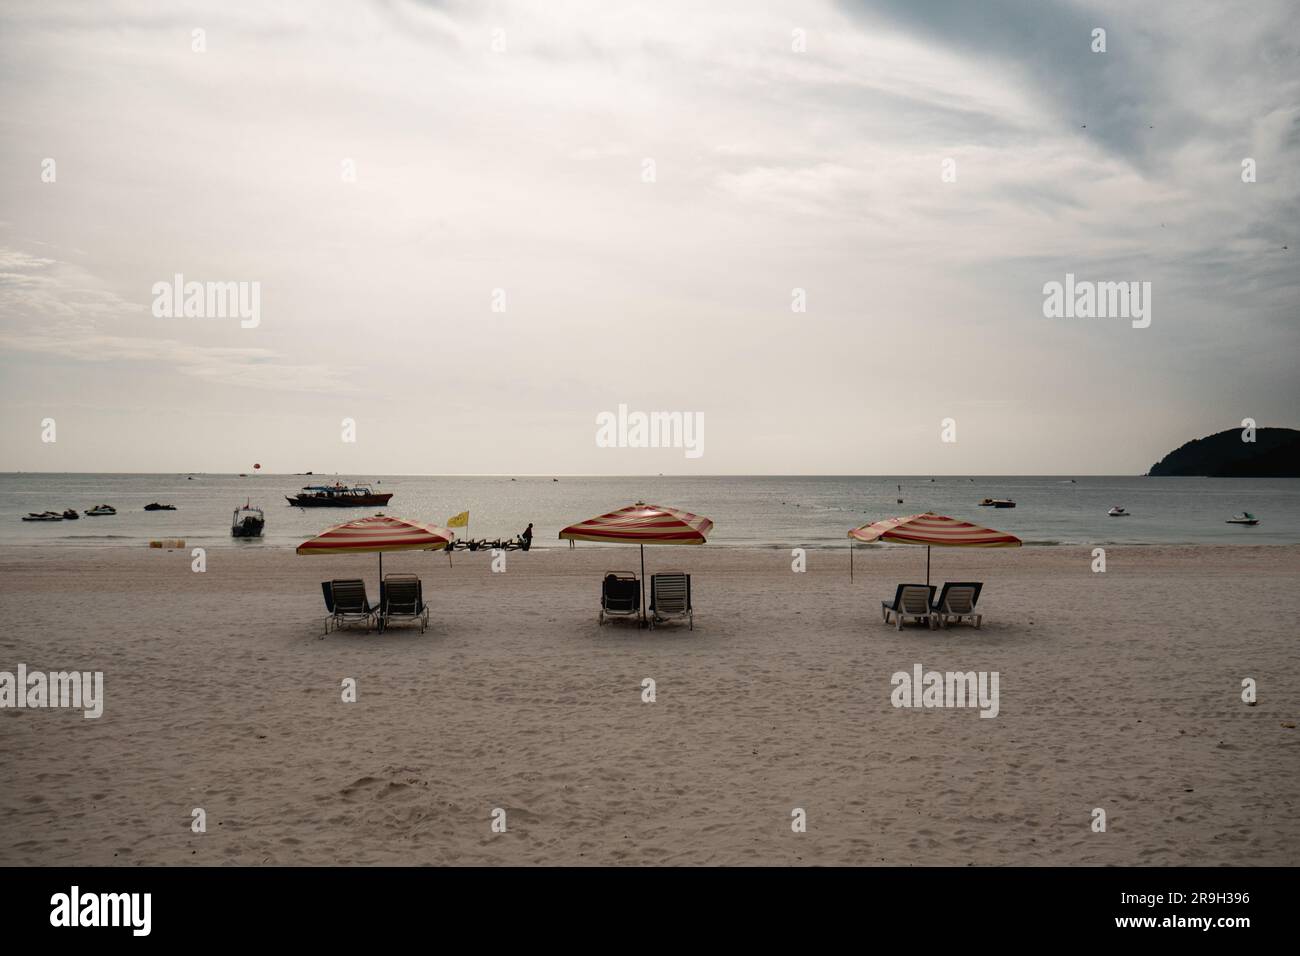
(756,511)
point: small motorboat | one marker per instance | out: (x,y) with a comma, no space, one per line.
(43,516)
(1244,518)
(154,506)
(248,522)
(1117,512)
(71,515)
(100,511)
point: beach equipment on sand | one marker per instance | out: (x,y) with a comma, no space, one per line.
(910,600)
(642,524)
(958,600)
(378,534)
(347,603)
(620,595)
(401,598)
(931,530)
(670,596)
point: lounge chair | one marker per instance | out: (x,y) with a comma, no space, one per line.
(910,600)
(620,595)
(956,601)
(670,596)
(401,598)
(347,603)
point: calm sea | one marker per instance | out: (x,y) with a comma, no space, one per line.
(776,512)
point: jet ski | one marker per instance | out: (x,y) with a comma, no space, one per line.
(100,510)
(1244,518)
(1117,512)
(44,516)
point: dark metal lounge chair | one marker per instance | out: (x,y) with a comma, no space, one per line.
(401,598)
(620,595)
(347,603)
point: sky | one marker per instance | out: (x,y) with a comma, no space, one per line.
(475,228)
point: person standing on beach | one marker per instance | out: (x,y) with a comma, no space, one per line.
(527,537)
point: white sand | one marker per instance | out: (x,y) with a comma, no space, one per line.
(1118,690)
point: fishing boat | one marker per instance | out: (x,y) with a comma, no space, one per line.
(157,507)
(1117,512)
(101,510)
(338,496)
(43,516)
(247,522)
(1244,518)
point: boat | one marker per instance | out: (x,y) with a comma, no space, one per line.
(338,495)
(997,503)
(43,516)
(101,510)
(71,515)
(1117,512)
(247,522)
(157,507)
(1244,518)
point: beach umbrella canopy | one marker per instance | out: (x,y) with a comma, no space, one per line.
(933,530)
(642,524)
(378,533)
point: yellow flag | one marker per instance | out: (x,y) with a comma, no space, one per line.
(459,521)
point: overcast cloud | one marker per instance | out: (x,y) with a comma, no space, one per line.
(522,170)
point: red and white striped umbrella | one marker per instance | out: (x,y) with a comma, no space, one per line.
(378,533)
(935,530)
(642,524)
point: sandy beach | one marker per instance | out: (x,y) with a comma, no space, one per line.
(1119,690)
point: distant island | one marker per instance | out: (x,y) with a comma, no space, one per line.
(1275,453)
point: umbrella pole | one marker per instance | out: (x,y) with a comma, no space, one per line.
(643,583)
(850,559)
(927,565)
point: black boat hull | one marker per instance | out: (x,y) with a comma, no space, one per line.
(339,501)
